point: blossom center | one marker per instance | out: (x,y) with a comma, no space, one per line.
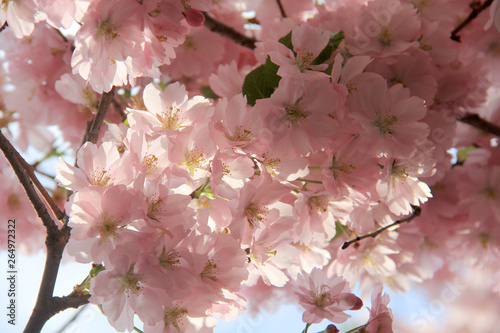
(341,168)
(303,59)
(490,193)
(169,260)
(255,214)
(484,238)
(318,203)
(210,271)
(107,228)
(107,30)
(386,123)
(241,134)
(154,208)
(322,298)
(99,178)
(172,316)
(295,113)
(130,281)
(398,172)
(150,161)
(385,37)
(170,118)
(194,160)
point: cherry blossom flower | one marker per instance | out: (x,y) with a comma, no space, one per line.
(20,15)
(307,43)
(389,117)
(400,188)
(380,315)
(96,167)
(110,36)
(325,297)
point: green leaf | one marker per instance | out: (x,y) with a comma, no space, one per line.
(462,153)
(261,82)
(327,52)
(287,40)
(207,92)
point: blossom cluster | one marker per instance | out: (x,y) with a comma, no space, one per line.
(227,173)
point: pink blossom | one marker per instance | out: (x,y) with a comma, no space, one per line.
(494,16)
(400,187)
(300,115)
(385,28)
(236,126)
(380,315)
(325,297)
(105,40)
(307,43)
(168,112)
(389,117)
(123,289)
(20,15)
(96,167)
(99,219)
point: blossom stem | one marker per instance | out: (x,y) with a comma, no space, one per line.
(416,212)
(310,181)
(307,328)
(476,121)
(72,319)
(477,8)
(356,329)
(94,127)
(228,32)
(196,194)
(137,330)
(282,10)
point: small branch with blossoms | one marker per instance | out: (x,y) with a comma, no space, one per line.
(416,213)
(477,8)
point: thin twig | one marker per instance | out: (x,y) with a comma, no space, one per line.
(12,156)
(477,8)
(228,32)
(94,128)
(43,173)
(282,10)
(476,121)
(72,319)
(416,212)
(60,215)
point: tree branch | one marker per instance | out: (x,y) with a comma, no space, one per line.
(12,156)
(46,305)
(477,8)
(476,121)
(416,212)
(94,128)
(228,32)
